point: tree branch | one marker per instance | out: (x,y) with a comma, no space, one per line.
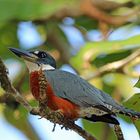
(117,66)
(111,5)
(97,9)
(89,9)
(7,86)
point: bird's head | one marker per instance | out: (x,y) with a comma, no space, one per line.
(36,59)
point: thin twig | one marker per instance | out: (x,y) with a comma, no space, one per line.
(118,132)
(105,132)
(116,66)
(111,5)
(7,86)
(92,11)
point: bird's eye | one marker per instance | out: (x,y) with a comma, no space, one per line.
(40,54)
(43,55)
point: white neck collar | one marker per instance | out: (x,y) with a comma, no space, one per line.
(35,67)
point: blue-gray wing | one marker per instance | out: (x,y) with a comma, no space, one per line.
(77,90)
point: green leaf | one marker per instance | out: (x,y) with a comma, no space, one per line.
(102,60)
(95,49)
(137,84)
(85,22)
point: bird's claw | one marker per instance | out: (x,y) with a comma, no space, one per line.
(54,127)
(66,128)
(56,116)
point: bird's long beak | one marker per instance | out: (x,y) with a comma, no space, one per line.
(24,54)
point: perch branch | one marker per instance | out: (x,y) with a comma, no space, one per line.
(9,89)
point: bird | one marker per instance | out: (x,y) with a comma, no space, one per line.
(70,94)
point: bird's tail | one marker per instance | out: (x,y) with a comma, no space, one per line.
(105,118)
(129,113)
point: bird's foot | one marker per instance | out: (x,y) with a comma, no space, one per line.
(56,116)
(67,123)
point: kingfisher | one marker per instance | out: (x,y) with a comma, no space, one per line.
(73,96)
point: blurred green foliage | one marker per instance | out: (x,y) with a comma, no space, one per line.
(105,48)
(48,19)
(30,10)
